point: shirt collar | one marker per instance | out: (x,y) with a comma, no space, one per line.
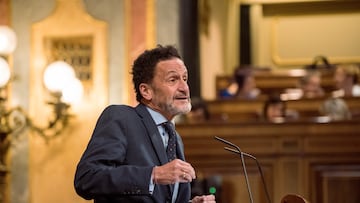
(156,116)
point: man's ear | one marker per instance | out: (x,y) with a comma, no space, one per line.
(145,91)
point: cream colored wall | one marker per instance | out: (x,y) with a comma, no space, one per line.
(287,40)
(217,50)
(283,35)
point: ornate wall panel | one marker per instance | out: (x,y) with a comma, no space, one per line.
(298,39)
(69,34)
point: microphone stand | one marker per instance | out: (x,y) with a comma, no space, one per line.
(243,165)
(237,150)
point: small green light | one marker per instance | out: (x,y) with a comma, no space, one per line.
(212,190)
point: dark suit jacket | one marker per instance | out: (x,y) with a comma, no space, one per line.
(117,163)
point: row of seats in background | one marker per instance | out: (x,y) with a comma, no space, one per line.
(315,80)
(318,92)
(292,110)
(320,89)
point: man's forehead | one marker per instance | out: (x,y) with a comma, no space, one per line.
(172,65)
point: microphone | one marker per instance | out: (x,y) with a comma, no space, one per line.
(237,150)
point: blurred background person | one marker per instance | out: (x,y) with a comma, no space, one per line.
(275,110)
(199,112)
(244,85)
(310,84)
(346,79)
(336,109)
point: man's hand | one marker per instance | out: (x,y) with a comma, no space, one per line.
(174,171)
(204,198)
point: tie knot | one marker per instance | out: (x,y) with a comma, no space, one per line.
(169,126)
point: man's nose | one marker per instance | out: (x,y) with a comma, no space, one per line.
(184,85)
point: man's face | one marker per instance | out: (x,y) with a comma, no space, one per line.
(340,78)
(313,86)
(169,92)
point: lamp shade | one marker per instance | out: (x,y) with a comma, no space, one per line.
(8,40)
(60,77)
(73,91)
(4,72)
(57,75)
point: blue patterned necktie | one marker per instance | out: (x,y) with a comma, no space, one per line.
(171,147)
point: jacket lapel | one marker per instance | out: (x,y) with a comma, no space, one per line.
(179,147)
(153,133)
(158,145)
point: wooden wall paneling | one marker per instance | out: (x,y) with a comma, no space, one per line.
(288,176)
(333,181)
(233,110)
(269,81)
(305,158)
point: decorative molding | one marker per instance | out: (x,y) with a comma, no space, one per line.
(66,28)
(69,21)
(76,51)
(301,60)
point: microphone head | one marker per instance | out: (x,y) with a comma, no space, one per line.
(228,143)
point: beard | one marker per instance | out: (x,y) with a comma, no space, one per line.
(174,109)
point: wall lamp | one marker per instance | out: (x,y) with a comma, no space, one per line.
(60,81)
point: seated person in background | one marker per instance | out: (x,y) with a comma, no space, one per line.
(336,109)
(199,112)
(275,110)
(346,79)
(244,85)
(310,84)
